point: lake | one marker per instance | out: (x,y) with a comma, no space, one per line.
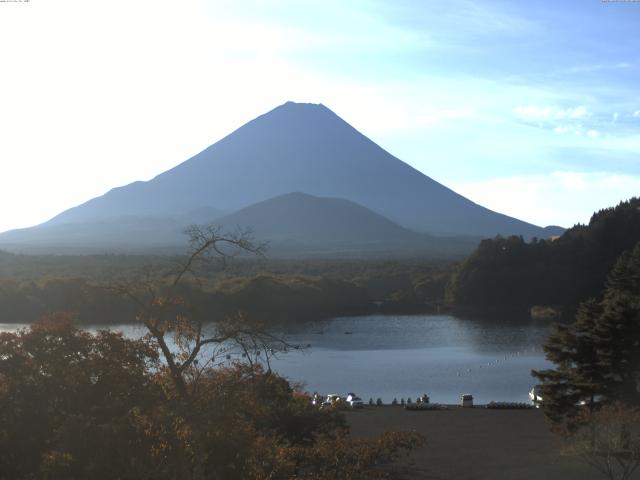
(391,356)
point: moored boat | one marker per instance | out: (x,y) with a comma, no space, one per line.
(535,396)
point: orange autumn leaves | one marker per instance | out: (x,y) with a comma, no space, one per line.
(76,405)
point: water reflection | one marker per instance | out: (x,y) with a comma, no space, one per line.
(405,356)
(383,332)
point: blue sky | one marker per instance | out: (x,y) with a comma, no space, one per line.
(529,108)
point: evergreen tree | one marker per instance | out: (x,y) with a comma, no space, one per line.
(576,378)
(618,330)
(597,357)
(510,274)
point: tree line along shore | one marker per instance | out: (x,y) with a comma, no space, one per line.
(504,277)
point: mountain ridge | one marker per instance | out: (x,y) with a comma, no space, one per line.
(300,148)
(294,225)
(304,147)
(300,222)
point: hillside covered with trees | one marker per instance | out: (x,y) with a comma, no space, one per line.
(277,290)
(510,274)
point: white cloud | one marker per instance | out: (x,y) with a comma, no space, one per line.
(598,66)
(577,130)
(593,133)
(636,114)
(559,198)
(578,121)
(625,143)
(535,113)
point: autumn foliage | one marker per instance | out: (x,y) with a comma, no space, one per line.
(76,405)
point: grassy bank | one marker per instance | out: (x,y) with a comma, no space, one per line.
(476,444)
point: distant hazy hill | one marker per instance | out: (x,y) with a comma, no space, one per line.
(309,219)
(121,234)
(125,233)
(315,224)
(294,225)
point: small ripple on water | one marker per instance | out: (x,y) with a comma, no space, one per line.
(402,356)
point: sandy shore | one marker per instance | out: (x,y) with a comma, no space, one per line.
(475,444)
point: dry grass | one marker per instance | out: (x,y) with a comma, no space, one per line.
(475,444)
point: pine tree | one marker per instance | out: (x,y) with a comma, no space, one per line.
(576,378)
(618,329)
(597,357)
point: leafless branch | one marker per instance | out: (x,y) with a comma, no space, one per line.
(166,311)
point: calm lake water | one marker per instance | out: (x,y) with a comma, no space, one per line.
(405,356)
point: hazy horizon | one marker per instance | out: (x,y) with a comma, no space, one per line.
(530,110)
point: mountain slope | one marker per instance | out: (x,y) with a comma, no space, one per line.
(308,219)
(305,148)
(96,236)
(294,225)
(297,223)
(124,233)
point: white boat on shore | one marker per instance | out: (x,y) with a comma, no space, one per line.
(535,396)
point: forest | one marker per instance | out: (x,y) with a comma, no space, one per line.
(278,290)
(512,275)
(504,276)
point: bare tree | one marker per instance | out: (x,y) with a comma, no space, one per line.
(166,314)
(608,439)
